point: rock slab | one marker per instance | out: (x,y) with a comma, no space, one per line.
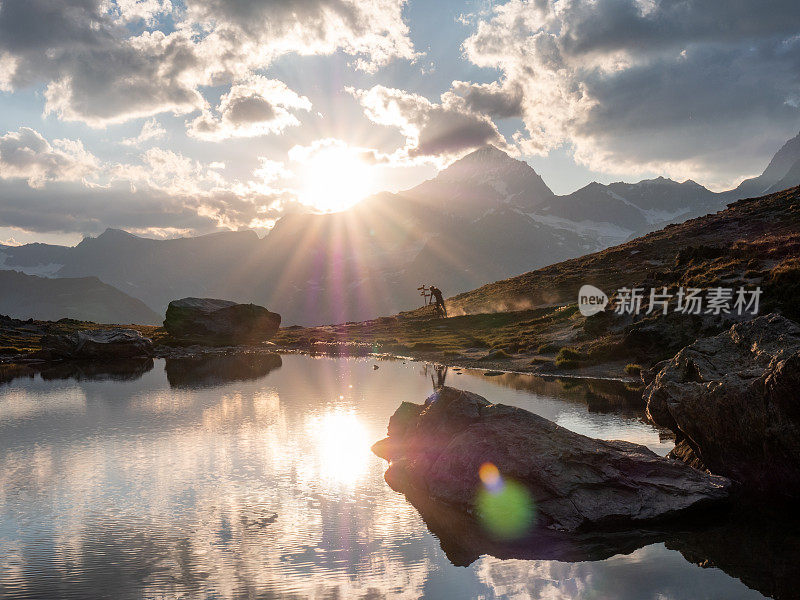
(220,320)
(104,344)
(576,482)
(733,401)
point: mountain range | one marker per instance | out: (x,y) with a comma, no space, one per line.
(486,217)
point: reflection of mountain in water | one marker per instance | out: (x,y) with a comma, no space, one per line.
(209,371)
(113,370)
(759,547)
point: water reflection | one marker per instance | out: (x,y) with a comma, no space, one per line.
(341,443)
(129,369)
(265,487)
(214,370)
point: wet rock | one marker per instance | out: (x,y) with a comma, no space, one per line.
(102,344)
(732,402)
(575,482)
(220,321)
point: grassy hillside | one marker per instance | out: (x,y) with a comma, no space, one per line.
(754,241)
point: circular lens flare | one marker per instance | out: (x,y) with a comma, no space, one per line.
(504,507)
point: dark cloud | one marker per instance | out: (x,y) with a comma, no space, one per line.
(74,208)
(439,130)
(98,73)
(250,110)
(696,88)
(494,99)
(653,25)
(445,131)
(258,106)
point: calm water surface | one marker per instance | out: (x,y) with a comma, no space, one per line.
(253,478)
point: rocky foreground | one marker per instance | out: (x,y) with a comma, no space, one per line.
(732,401)
(576,482)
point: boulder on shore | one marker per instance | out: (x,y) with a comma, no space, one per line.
(732,401)
(220,321)
(575,482)
(101,344)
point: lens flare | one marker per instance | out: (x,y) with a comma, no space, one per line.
(490,476)
(504,507)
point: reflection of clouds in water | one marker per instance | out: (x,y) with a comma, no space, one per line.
(649,572)
(19,403)
(243,497)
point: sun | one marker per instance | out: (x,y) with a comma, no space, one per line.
(334,179)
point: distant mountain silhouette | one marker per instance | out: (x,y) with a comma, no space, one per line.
(87,298)
(486,217)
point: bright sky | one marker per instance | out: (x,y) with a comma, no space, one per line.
(170,117)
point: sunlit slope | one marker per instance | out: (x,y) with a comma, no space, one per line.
(753,242)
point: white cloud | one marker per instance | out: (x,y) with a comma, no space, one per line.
(25,154)
(259,106)
(373,31)
(151,130)
(144,10)
(8,66)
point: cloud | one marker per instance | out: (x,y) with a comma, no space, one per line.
(498,100)
(151,130)
(99,71)
(434,130)
(25,154)
(140,10)
(371,30)
(694,89)
(259,106)
(95,70)
(60,186)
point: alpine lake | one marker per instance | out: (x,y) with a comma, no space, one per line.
(251,476)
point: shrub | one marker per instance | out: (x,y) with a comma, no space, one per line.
(547,348)
(496,355)
(568,358)
(633,369)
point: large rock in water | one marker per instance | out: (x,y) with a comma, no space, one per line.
(102,344)
(576,482)
(220,320)
(733,401)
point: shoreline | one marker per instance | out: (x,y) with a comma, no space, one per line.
(601,373)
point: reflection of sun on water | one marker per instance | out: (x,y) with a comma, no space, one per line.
(342,446)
